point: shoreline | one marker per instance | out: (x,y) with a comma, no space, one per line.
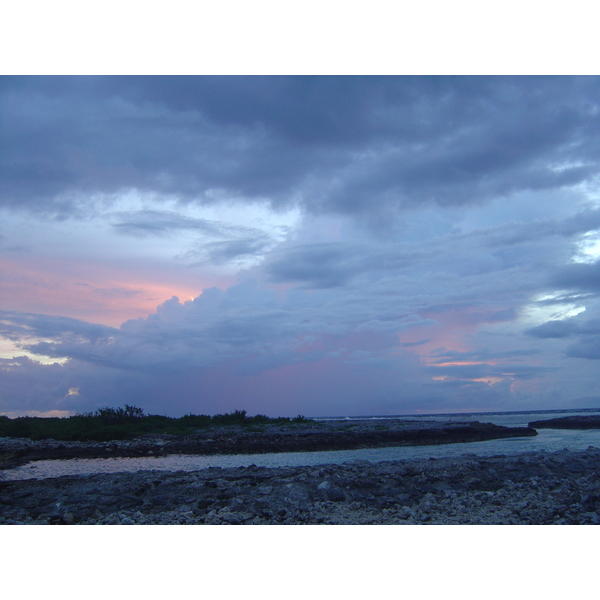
(314,436)
(531,488)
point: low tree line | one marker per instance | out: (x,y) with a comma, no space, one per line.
(107,424)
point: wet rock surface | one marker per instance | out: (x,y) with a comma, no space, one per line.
(532,488)
(314,436)
(574,422)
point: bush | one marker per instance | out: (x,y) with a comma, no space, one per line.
(116,414)
(107,424)
(237,417)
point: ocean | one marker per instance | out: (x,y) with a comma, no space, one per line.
(548,440)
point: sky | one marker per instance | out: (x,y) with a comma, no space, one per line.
(284,245)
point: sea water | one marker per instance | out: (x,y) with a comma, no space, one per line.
(548,440)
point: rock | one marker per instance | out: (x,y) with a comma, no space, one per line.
(567,490)
(405,512)
(575,422)
(335,495)
(593,517)
(234,518)
(310,436)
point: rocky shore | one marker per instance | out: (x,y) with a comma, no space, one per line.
(574,422)
(533,488)
(306,437)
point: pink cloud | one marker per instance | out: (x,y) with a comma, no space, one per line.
(90,291)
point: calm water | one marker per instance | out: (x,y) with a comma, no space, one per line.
(548,440)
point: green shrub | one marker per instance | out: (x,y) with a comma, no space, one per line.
(116,414)
(107,424)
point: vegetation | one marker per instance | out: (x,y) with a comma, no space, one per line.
(129,422)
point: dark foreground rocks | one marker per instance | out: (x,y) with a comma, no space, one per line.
(533,488)
(313,436)
(576,422)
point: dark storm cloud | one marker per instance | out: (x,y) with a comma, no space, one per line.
(579,276)
(585,348)
(412,344)
(28,384)
(153,222)
(529,247)
(15,325)
(332,264)
(481,371)
(219,253)
(565,328)
(482,355)
(347,144)
(318,265)
(585,330)
(515,232)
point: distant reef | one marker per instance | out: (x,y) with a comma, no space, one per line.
(577,422)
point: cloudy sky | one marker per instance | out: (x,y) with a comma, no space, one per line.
(299,245)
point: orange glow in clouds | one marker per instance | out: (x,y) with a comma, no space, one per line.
(451,333)
(90,292)
(450,336)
